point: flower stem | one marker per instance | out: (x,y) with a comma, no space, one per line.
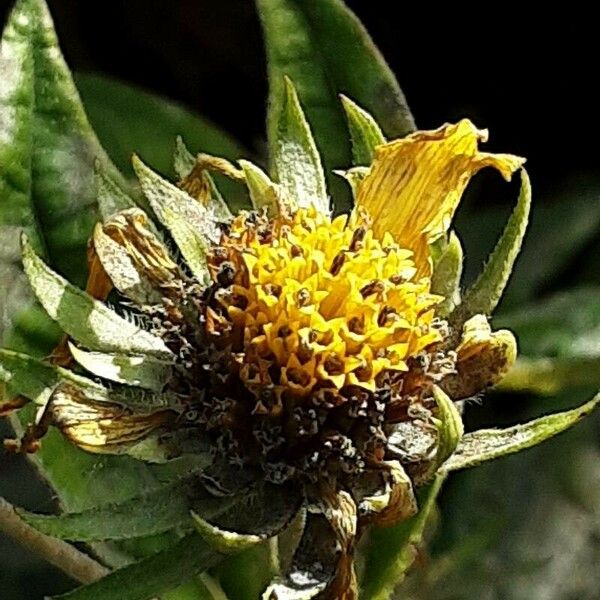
(67,558)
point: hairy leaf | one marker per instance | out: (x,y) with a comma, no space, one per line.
(487,444)
(141,370)
(450,431)
(263,192)
(110,197)
(447,271)
(152,575)
(157,511)
(191,224)
(33,378)
(85,319)
(483,296)
(365,133)
(296,161)
(325,50)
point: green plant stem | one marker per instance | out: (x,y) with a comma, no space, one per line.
(67,558)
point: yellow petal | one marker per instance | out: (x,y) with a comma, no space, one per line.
(483,358)
(415,184)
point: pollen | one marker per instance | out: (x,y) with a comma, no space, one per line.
(309,303)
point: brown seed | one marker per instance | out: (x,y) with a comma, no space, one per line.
(357,238)
(337,264)
(374,287)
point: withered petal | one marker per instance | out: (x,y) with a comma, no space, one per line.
(323,563)
(100,426)
(394,502)
(483,358)
(138,263)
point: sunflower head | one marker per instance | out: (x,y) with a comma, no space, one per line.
(306,357)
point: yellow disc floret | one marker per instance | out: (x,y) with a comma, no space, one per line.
(319,303)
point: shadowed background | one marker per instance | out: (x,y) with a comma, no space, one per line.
(531,84)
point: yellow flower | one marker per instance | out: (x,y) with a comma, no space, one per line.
(306,352)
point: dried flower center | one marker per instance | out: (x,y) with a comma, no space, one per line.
(309,303)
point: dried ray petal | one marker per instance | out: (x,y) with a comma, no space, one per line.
(323,563)
(199,184)
(94,423)
(121,271)
(99,284)
(483,357)
(394,502)
(415,183)
(136,260)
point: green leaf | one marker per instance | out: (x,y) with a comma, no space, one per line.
(110,197)
(246,575)
(487,444)
(549,376)
(365,133)
(141,370)
(34,378)
(120,113)
(392,550)
(325,50)
(531,530)
(483,296)
(561,228)
(296,161)
(47,153)
(190,223)
(85,319)
(183,159)
(157,511)
(47,148)
(447,271)
(559,342)
(152,575)
(223,540)
(47,156)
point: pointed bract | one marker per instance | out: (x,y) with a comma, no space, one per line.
(365,133)
(86,320)
(296,160)
(487,444)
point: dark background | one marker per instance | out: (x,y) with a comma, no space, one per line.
(532,82)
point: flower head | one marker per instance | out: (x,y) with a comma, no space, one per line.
(306,352)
